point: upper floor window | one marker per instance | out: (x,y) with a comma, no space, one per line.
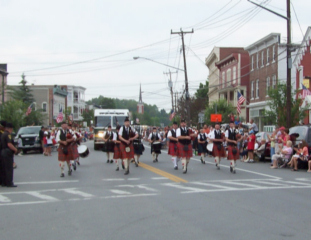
(273,53)
(252,65)
(257,60)
(252,90)
(262,59)
(257,88)
(223,79)
(273,81)
(267,86)
(228,77)
(268,56)
(44,105)
(234,75)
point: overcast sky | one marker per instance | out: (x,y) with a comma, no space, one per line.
(91,43)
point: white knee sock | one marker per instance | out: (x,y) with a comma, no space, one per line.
(232,163)
(62,166)
(126,164)
(184,163)
(217,160)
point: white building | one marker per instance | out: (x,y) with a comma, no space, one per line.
(76,101)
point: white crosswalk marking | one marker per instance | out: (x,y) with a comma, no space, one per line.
(187,189)
(241,184)
(4,199)
(77,192)
(42,196)
(213,185)
(120,192)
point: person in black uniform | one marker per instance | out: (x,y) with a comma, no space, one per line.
(7,154)
(2,167)
(41,135)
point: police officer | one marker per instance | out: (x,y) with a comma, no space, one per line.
(7,154)
(2,167)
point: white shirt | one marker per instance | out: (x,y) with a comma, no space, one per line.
(151,134)
(58,135)
(178,132)
(114,136)
(49,140)
(121,130)
(199,135)
(108,132)
(169,134)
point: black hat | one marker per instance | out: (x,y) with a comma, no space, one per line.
(2,123)
(42,127)
(109,126)
(64,122)
(69,125)
(231,122)
(182,120)
(118,127)
(217,123)
(175,123)
(9,125)
(154,128)
(126,119)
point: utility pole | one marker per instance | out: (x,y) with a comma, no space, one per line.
(181,33)
(170,84)
(289,60)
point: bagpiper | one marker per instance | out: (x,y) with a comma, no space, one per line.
(233,153)
(108,139)
(217,137)
(172,149)
(117,150)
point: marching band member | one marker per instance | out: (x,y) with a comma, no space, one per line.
(117,151)
(63,149)
(138,149)
(202,137)
(233,153)
(108,139)
(79,138)
(218,149)
(127,134)
(172,150)
(73,147)
(155,140)
(184,145)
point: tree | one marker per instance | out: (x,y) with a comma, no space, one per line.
(202,92)
(16,107)
(222,107)
(88,116)
(276,114)
(22,93)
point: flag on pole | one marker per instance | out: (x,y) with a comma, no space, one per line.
(305,91)
(29,109)
(60,116)
(241,100)
(172,114)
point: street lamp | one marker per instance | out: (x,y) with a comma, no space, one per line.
(135,58)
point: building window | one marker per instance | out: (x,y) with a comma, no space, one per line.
(44,104)
(234,75)
(252,90)
(228,77)
(257,88)
(252,63)
(273,53)
(274,82)
(34,106)
(223,79)
(268,56)
(267,86)
(262,59)
(257,60)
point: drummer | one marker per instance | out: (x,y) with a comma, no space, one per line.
(216,136)
(233,153)
(127,134)
(108,139)
(172,150)
(117,152)
(155,140)
(202,137)
(138,149)
(79,138)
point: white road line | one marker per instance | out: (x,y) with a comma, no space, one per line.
(47,182)
(297,183)
(120,192)
(23,203)
(42,196)
(113,179)
(275,183)
(159,178)
(77,192)
(133,179)
(303,179)
(133,195)
(189,189)
(212,185)
(140,186)
(242,184)
(4,199)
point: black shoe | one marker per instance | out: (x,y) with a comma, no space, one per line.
(231,169)
(74,166)
(176,168)
(111,161)
(185,171)
(156,160)
(108,161)
(117,169)
(123,166)
(136,164)
(78,163)
(69,172)
(12,185)
(132,160)
(127,172)
(202,160)
(62,175)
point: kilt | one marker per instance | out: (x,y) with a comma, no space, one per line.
(182,153)
(117,152)
(61,156)
(110,146)
(202,148)
(74,151)
(173,149)
(138,148)
(218,153)
(230,154)
(156,148)
(124,154)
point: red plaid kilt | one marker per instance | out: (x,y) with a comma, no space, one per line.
(74,151)
(182,153)
(124,154)
(117,152)
(218,153)
(61,156)
(171,149)
(230,154)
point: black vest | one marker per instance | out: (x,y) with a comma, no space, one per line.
(184,133)
(232,136)
(202,138)
(63,135)
(110,137)
(156,137)
(173,135)
(126,135)
(217,136)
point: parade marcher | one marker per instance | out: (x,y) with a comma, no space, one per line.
(233,153)
(108,139)
(172,149)
(117,151)
(7,155)
(138,149)
(79,138)
(64,138)
(41,135)
(218,149)
(184,145)
(2,166)
(202,143)
(73,148)
(155,141)
(127,134)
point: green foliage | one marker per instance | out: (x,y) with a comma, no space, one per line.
(202,92)
(22,93)
(278,111)
(88,116)
(16,107)
(222,108)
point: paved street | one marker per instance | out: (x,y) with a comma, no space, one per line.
(154,201)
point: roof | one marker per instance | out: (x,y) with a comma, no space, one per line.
(271,36)
(303,47)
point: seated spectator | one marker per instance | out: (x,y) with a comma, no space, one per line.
(300,157)
(260,152)
(309,165)
(286,154)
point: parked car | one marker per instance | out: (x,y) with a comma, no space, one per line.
(304,132)
(30,139)
(264,135)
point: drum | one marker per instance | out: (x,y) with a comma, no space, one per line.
(210,146)
(83,151)
(156,146)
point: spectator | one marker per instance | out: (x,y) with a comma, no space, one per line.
(49,143)
(231,117)
(253,126)
(251,146)
(272,139)
(286,154)
(260,152)
(300,157)
(237,121)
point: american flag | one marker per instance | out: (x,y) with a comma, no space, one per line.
(172,114)
(60,116)
(29,109)
(305,91)
(241,100)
